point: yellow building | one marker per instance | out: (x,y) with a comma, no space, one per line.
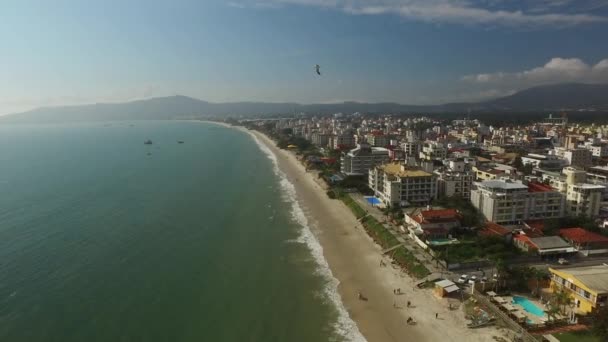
(588,286)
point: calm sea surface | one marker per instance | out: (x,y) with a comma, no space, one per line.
(103,238)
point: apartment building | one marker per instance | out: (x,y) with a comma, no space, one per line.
(399,185)
(507,201)
(360,160)
(433,150)
(587,286)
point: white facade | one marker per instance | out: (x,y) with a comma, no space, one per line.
(454,184)
(584,199)
(505,201)
(398,185)
(343,140)
(433,150)
(361,159)
(320,139)
(377,140)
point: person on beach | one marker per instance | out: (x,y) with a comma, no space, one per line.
(409,303)
(436,315)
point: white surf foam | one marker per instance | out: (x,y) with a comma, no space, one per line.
(344,326)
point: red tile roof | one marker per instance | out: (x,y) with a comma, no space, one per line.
(440,214)
(525,240)
(535,225)
(580,235)
(539,187)
(492,228)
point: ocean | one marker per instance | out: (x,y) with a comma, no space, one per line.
(104,238)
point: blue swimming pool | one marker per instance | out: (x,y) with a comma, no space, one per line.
(373,200)
(528,306)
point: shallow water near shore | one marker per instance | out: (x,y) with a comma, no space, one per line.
(103,238)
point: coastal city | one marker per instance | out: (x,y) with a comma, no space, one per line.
(505,226)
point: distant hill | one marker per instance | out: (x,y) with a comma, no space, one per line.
(542,98)
(569,96)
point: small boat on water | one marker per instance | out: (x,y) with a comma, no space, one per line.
(148,142)
(180,142)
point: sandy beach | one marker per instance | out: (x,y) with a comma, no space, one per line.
(354,260)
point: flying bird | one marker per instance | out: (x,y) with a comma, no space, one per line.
(318,69)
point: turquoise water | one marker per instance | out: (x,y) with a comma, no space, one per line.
(373,200)
(528,306)
(103,238)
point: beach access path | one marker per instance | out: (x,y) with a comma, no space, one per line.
(354,260)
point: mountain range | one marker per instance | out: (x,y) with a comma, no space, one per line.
(557,97)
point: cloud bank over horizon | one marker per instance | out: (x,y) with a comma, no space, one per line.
(525,14)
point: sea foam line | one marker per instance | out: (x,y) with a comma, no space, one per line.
(344,326)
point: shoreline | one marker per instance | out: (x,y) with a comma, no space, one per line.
(353,259)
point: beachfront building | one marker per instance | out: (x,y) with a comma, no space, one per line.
(508,201)
(399,185)
(360,160)
(587,286)
(434,223)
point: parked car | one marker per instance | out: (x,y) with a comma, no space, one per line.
(472,280)
(463,279)
(563,261)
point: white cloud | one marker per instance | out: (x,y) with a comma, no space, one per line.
(555,70)
(555,13)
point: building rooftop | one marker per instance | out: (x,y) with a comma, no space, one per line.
(590,186)
(580,235)
(491,228)
(549,242)
(593,277)
(539,187)
(440,213)
(400,170)
(501,184)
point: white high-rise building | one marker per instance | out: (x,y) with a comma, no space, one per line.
(398,185)
(360,160)
(507,201)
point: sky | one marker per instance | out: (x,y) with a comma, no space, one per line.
(408,51)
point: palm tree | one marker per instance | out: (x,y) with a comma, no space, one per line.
(538,276)
(562,299)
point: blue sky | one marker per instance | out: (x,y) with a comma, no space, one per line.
(408,51)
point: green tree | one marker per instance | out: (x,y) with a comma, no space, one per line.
(527,169)
(517,163)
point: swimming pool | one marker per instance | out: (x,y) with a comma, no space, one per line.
(373,200)
(528,306)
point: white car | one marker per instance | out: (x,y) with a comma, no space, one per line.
(463,279)
(472,280)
